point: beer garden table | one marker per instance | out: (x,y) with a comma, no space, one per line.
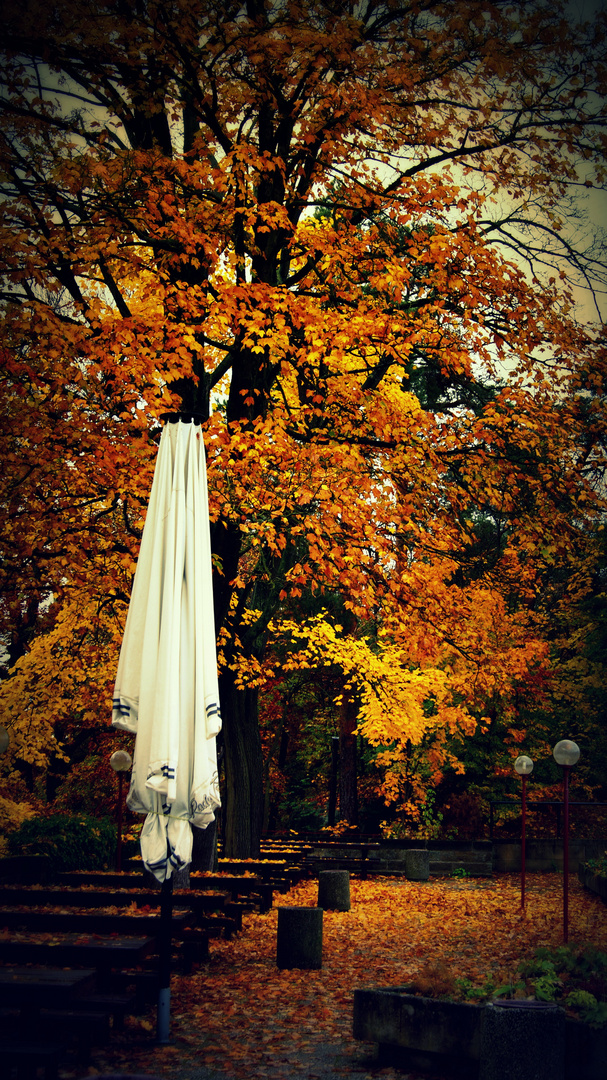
(34,988)
(102,953)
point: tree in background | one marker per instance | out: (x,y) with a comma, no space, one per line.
(341,235)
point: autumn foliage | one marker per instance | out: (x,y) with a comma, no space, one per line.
(340,236)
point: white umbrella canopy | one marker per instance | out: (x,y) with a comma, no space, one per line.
(166,688)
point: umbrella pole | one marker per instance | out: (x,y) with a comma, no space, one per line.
(163,1017)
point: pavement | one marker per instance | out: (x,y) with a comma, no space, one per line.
(325,1061)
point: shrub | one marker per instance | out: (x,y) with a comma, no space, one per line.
(573,976)
(12,816)
(598,865)
(72,841)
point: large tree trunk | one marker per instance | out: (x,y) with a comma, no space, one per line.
(348,786)
(277,748)
(204,848)
(243,812)
(332,807)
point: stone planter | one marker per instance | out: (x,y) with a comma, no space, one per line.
(525,1039)
(431,1035)
(596,883)
(585,1050)
(424,1032)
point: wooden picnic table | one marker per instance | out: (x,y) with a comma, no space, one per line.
(237,885)
(103,953)
(44,992)
(16,896)
(276,872)
(260,868)
(34,988)
(53,921)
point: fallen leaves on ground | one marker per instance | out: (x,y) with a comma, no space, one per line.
(240,1015)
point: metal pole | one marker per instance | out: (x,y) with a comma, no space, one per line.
(119,833)
(524,779)
(523,766)
(566,854)
(163,1016)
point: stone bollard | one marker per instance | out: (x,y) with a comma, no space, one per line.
(334,890)
(417,864)
(299,937)
(522,1039)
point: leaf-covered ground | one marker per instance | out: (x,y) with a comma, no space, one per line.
(239,1016)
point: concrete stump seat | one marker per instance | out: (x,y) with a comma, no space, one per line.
(334,890)
(417,864)
(522,1039)
(299,938)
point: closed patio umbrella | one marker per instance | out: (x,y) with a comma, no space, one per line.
(166,688)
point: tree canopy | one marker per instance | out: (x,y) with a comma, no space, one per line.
(345,237)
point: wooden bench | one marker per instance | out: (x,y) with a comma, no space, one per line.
(33,1056)
(110,957)
(27,992)
(355,866)
(84,1027)
(195,945)
(143,984)
(53,921)
(190,942)
(278,873)
(201,902)
(210,910)
(115,1004)
(259,893)
(242,884)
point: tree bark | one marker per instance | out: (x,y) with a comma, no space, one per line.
(274,749)
(333,782)
(204,848)
(348,785)
(244,769)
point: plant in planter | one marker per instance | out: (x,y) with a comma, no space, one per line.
(570,976)
(598,865)
(574,977)
(436,980)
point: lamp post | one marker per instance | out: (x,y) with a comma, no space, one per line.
(523,766)
(121,762)
(566,753)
